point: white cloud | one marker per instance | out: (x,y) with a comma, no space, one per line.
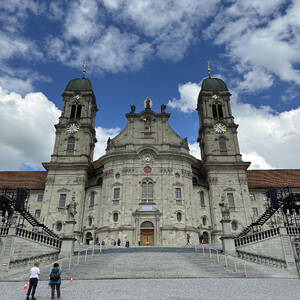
(25,122)
(102,135)
(268,138)
(195,150)
(262,37)
(188,97)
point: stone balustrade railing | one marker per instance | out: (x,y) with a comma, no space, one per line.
(39,238)
(293,230)
(255,237)
(261,259)
(44,258)
(3,231)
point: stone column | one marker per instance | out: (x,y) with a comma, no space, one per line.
(68,240)
(8,249)
(227,237)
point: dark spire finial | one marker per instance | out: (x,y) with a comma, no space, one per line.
(84,65)
(208,68)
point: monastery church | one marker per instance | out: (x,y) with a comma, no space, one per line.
(147,188)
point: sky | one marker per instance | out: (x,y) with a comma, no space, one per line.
(139,48)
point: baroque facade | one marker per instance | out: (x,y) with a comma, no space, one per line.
(147,188)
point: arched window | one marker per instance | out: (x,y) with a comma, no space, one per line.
(71,145)
(75,111)
(92,199)
(220,111)
(202,200)
(179,216)
(115,217)
(58,226)
(222,144)
(147,190)
(78,112)
(204,220)
(214,111)
(217,111)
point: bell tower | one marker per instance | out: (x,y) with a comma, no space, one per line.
(72,156)
(222,160)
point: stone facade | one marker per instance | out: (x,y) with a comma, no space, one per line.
(147,188)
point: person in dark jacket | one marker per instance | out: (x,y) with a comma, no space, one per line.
(55,280)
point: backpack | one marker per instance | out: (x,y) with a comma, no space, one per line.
(54,275)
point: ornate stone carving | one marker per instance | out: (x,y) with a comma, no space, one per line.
(186,173)
(71,209)
(127,171)
(166,171)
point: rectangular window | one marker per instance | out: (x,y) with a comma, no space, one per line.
(178,193)
(252,197)
(92,199)
(230,200)
(202,200)
(254,211)
(40,197)
(117,193)
(62,200)
(37,213)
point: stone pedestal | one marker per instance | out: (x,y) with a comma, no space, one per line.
(68,240)
(227,238)
(8,248)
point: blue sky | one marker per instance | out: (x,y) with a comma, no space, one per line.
(141,48)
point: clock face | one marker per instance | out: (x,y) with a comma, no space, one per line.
(73,128)
(215,97)
(220,128)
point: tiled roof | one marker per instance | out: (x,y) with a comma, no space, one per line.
(97,164)
(276,178)
(34,180)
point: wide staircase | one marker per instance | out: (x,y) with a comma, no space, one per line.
(156,263)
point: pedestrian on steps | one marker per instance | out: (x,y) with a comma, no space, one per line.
(188,239)
(34,278)
(55,280)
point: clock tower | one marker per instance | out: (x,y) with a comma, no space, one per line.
(72,155)
(220,153)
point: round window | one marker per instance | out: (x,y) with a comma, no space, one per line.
(179,217)
(115,217)
(58,226)
(117,175)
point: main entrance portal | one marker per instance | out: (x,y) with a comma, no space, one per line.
(147,234)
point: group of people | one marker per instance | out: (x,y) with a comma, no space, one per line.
(113,242)
(54,280)
(188,239)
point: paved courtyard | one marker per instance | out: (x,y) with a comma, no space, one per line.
(205,288)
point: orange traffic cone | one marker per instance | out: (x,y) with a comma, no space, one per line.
(71,280)
(25,286)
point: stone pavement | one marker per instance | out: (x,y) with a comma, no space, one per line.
(156,289)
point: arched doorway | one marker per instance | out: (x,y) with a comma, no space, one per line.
(88,237)
(147,234)
(205,237)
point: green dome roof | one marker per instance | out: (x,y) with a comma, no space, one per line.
(213,85)
(79,84)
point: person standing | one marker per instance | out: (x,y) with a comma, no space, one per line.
(119,242)
(34,278)
(188,239)
(55,280)
(200,238)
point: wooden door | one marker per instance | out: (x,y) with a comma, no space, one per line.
(147,237)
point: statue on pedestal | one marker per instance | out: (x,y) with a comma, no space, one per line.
(71,209)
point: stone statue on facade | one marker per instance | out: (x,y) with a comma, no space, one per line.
(71,209)
(225,212)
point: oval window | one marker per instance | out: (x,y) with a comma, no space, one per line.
(234,225)
(117,175)
(58,226)
(179,217)
(115,217)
